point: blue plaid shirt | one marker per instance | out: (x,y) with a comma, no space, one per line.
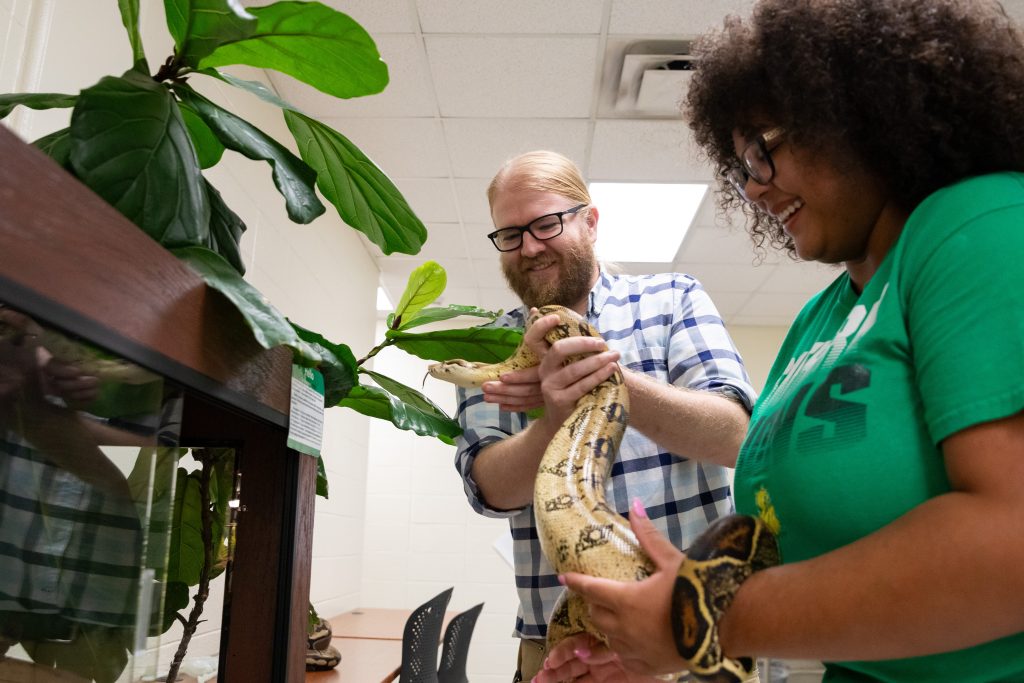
(664,326)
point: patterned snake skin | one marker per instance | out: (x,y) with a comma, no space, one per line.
(580,533)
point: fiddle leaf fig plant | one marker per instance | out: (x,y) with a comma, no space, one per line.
(142,140)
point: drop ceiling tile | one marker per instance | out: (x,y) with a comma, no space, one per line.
(728,303)
(717,277)
(800,277)
(479,246)
(678,17)
(635,150)
(444,240)
(480,146)
(720,245)
(501,16)
(472,197)
(488,273)
(499,76)
(430,198)
(403,148)
(378,16)
(782,305)
(407,94)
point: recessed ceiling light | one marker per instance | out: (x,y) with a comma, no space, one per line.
(643,222)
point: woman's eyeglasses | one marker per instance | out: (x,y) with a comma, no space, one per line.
(756,161)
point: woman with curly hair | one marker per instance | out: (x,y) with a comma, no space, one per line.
(887,450)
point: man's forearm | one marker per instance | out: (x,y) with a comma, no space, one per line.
(505,470)
(694,424)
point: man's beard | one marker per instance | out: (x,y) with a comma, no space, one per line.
(575,277)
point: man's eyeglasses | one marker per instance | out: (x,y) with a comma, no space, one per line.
(544,228)
(756,162)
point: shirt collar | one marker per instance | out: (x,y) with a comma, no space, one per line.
(599,294)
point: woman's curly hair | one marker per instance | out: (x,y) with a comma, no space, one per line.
(921,93)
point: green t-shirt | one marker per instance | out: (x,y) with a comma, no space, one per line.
(845,438)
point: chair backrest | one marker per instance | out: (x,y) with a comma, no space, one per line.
(420,640)
(456,646)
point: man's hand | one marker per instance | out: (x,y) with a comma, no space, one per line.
(584,659)
(559,381)
(69,383)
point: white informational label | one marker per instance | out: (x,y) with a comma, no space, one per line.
(306,420)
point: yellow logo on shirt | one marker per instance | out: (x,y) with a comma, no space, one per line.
(766,511)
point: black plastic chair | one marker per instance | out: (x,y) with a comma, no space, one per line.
(455,650)
(420,640)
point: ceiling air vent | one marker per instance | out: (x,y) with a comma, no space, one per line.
(645,78)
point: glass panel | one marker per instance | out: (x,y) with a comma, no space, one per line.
(101,516)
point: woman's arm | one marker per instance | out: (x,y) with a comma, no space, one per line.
(945,576)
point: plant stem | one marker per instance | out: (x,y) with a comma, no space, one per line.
(206,513)
(374,351)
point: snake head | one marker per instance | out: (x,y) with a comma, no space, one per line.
(459,372)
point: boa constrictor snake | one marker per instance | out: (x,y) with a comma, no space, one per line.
(579,532)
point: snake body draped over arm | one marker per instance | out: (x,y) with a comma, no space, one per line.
(579,532)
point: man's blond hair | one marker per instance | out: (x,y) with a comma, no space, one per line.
(542,171)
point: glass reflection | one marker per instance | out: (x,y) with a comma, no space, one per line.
(88,461)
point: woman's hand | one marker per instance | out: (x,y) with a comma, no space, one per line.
(556,383)
(582,658)
(634,616)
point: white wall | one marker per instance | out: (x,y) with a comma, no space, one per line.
(319,275)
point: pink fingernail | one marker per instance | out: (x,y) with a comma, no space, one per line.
(581,652)
(638,508)
(561,579)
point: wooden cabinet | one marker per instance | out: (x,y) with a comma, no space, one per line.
(75,263)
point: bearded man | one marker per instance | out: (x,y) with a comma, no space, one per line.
(689,393)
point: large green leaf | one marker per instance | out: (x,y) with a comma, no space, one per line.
(43,100)
(56,145)
(226,230)
(267,324)
(318,45)
(380,404)
(365,198)
(425,284)
(222,477)
(130,145)
(209,149)
(254,87)
(95,653)
(436,314)
(130,19)
(321,478)
(337,365)
(476,344)
(200,26)
(185,560)
(407,394)
(293,178)
(176,598)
